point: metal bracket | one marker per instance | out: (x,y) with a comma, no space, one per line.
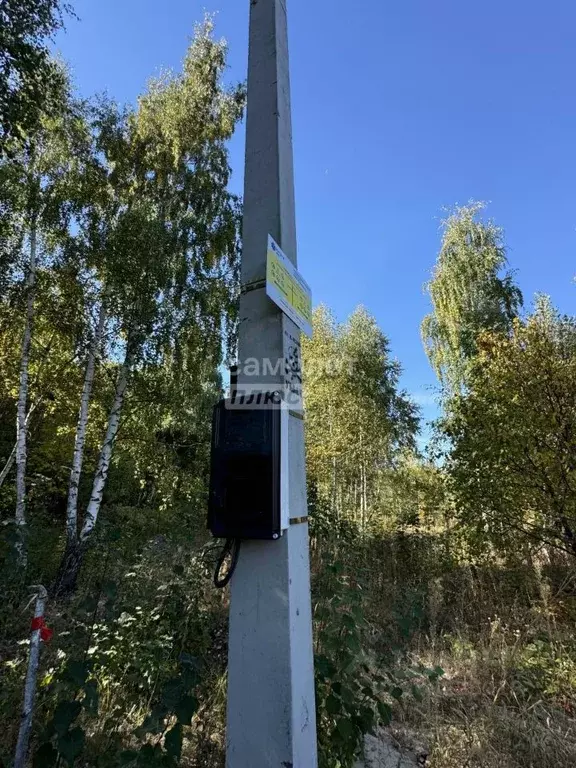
(255,286)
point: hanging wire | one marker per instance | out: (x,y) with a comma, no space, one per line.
(230,550)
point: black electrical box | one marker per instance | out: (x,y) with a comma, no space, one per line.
(245,493)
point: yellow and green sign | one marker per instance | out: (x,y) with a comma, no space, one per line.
(287,288)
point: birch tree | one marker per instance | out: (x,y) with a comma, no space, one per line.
(169,248)
(12,457)
(471,291)
(358,420)
(82,426)
(44,167)
(21,424)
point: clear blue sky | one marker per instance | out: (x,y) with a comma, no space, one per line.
(401,107)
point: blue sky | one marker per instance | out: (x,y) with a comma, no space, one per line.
(400,109)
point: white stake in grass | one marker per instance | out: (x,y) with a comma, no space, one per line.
(39,632)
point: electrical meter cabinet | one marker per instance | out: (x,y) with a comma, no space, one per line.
(246,473)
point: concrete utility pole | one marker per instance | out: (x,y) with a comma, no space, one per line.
(271,718)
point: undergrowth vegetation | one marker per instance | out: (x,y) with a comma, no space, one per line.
(475,662)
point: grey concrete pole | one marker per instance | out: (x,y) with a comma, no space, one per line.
(271,716)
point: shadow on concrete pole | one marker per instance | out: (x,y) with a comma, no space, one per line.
(271,716)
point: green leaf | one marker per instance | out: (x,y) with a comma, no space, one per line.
(185,709)
(345,728)
(45,756)
(333,705)
(77,672)
(64,715)
(396,693)
(366,719)
(348,621)
(353,643)
(405,626)
(385,712)
(325,667)
(439,672)
(173,742)
(71,744)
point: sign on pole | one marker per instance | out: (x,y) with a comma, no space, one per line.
(287,288)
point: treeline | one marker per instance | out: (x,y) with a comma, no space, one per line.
(507,436)
(461,558)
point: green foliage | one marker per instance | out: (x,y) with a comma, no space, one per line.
(348,696)
(359,424)
(511,461)
(355,689)
(132,214)
(29,78)
(111,653)
(545,668)
(134,219)
(468,294)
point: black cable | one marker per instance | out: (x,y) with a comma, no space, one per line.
(232,549)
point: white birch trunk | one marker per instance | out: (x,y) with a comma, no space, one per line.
(362,500)
(106,453)
(10,460)
(81,427)
(8,465)
(30,685)
(21,426)
(364,496)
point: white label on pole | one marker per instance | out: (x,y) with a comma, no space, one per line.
(287,288)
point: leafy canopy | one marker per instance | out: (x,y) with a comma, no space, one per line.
(469,294)
(29,78)
(513,435)
(358,420)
